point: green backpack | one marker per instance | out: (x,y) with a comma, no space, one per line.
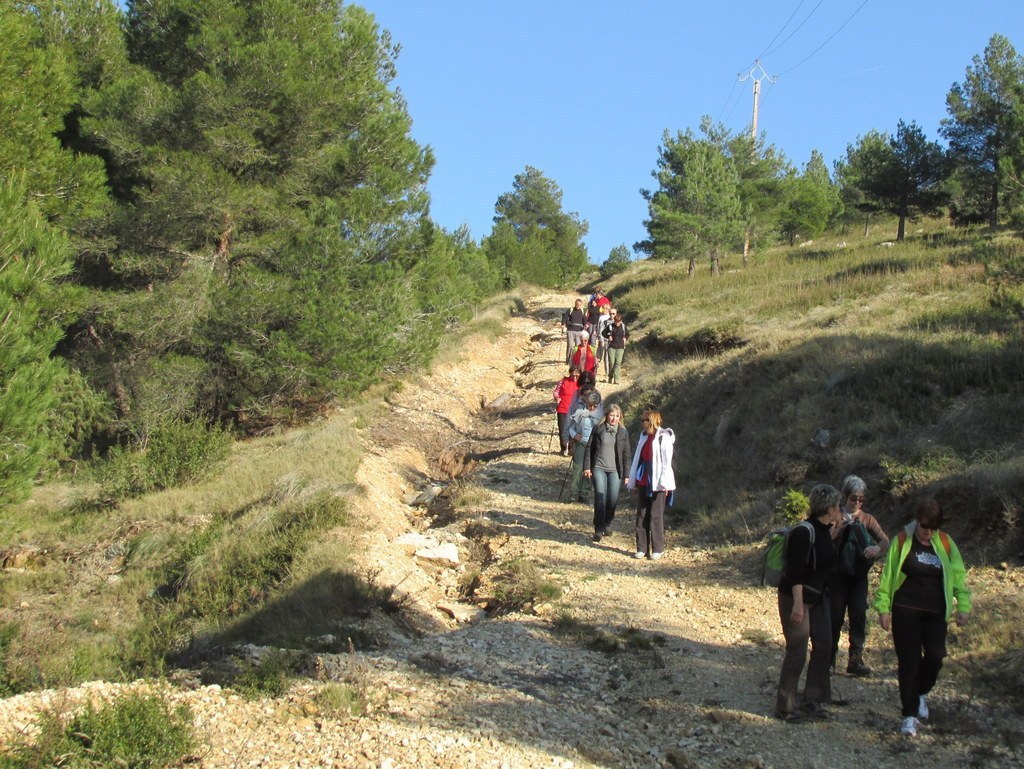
(775,554)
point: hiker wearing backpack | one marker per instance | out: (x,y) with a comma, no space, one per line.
(581,426)
(923,584)
(607,465)
(652,478)
(859,540)
(616,333)
(563,394)
(803,609)
(574,322)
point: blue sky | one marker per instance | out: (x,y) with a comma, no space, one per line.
(584,90)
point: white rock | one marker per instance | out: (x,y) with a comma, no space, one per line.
(446,554)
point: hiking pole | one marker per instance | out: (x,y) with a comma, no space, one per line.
(561,491)
(554,429)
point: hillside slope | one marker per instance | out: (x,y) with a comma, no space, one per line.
(638,664)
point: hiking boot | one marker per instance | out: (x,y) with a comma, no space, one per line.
(856,666)
(638,554)
(816,711)
(597,536)
(908,727)
(922,708)
(656,556)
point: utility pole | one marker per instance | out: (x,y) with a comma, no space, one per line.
(757,74)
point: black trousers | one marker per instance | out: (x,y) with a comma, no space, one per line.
(920,641)
(650,521)
(849,595)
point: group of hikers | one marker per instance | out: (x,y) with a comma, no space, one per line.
(923,586)
(593,434)
(595,336)
(828,557)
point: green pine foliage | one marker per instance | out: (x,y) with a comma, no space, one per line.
(33,255)
(272,247)
(696,211)
(617,261)
(533,239)
(985,131)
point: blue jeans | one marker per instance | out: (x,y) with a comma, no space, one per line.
(606,497)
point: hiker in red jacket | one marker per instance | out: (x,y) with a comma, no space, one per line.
(563,395)
(584,357)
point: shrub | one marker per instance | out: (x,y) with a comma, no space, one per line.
(342,700)
(137,731)
(521,584)
(178,452)
(793,507)
(267,678)
(8,632)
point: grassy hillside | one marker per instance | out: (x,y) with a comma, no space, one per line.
(892,362)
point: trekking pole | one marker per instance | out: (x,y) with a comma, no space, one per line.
(567,473)
(554,429)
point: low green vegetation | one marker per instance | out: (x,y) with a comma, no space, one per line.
(521,583)
(134,731)
(898,363)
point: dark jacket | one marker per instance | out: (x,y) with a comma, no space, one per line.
(622,449)
(616,334)
(804,569)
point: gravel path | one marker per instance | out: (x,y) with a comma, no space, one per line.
(685,672)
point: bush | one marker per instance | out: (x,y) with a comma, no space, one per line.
(521,584)
(793,507)
(137,731)
(178,452)
(267,678)
(8,686)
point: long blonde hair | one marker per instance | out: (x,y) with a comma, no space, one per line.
(653,420)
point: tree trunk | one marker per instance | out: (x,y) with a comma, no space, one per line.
(746,245)
(902,229)
(714,262)
(993,205)
(692,268)
(867,221)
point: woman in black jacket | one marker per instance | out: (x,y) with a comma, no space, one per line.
(804,611)
(606,463)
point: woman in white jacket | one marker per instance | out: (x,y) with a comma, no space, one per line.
(651,477)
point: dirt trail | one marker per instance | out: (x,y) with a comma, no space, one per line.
(690,649)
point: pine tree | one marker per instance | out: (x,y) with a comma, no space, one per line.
(985,130)
(270,207)
(533,238)
(696,210)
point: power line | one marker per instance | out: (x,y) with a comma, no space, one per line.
(781,30)
(727,100)
(827,41)
(798,28)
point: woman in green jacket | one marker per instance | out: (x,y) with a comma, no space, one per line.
(923,581)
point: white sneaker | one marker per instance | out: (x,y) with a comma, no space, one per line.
(922,708)
(909,726)
(656,556)
(638,554)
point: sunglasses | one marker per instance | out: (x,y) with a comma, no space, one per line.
(857,498)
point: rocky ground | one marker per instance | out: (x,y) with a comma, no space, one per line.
(639,663)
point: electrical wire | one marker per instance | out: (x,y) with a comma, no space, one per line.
(727,100)
(798,5)
(798,28)
(827,41)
